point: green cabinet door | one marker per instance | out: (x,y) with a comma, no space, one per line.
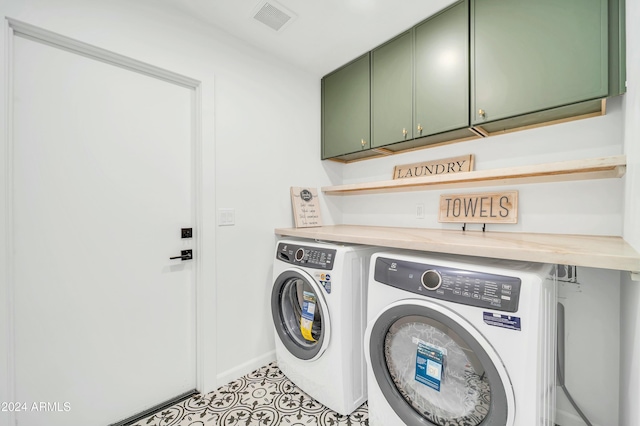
(532,55)
(442,72)
(392,91)
(346,120)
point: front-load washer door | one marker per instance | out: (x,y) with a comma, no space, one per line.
(300,314)
(434,368)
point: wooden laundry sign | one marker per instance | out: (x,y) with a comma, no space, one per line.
(463,163)
(485,207)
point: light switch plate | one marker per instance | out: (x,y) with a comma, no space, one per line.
(226,217)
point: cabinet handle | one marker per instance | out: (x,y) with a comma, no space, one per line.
(404,132)
(420,128)
(362,142)
(481,113)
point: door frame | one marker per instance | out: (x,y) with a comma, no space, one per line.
(203,323)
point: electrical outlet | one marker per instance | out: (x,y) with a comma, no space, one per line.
(567,273)
(226,217)
(420,211)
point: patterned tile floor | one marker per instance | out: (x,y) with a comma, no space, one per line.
(264,397)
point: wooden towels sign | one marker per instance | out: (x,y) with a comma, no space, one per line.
(306,207)
(463,163)
(485,207)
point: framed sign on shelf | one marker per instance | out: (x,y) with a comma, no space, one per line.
(306,207)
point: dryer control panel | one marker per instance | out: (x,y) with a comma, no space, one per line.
(309,257)
(491,291)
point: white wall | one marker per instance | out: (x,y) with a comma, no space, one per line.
(591,341)
(590,207)
(630,292)
(261,135)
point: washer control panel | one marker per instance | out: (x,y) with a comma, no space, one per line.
(491,291)
(309,257)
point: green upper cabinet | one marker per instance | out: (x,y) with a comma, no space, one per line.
(474,69)
(442,72)
(392,91)
(346,122)
(533,55)
(420,81)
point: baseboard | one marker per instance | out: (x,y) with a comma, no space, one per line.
(565,418)
(246,368)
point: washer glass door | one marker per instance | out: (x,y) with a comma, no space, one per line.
(300,314)
(429,367)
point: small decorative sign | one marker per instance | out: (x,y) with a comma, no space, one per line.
(463,163)
(485,207)
(306,208)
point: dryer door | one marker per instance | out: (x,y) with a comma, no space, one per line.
(434,368)
(300,314)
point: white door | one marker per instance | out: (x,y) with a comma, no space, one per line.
(102,185)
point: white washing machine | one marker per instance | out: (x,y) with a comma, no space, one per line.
(460,341)
(318,304)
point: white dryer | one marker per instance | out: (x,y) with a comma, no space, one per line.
(318,304)
(460,341)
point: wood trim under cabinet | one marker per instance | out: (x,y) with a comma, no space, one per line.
(603,111)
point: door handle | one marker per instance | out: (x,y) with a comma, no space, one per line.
(184,255)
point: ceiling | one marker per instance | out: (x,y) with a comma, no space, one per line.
(321,35)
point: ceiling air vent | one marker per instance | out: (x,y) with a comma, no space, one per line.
(273,15)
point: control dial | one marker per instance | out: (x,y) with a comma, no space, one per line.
(299,254)
(431,279)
